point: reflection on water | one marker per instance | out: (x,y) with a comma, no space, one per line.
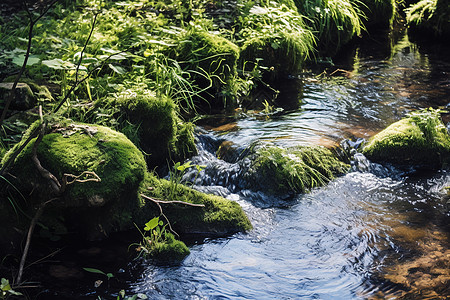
(378,234)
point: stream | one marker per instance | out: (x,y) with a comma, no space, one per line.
(375,233)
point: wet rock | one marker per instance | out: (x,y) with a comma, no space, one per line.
(420,139)
(293,170)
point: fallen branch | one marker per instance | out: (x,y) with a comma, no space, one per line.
(28,241)
(171,202)
(94,178)
(54,182)
(161,213)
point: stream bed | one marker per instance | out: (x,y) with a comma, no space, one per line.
(375,233)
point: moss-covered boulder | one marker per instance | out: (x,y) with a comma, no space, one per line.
(93,207)
(419,139)
(429,18)
(293,170)
(219,216)
(170,249)
(152,122)
(277,39)
(213,62)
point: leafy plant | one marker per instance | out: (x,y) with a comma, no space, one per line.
(176,175)
(6,290)
(97,271)
(154,233)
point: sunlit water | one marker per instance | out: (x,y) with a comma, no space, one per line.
(376,232)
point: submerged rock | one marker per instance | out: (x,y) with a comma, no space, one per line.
(419,139)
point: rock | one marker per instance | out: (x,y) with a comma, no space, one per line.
(92,208)
(24,97)
(420,139)
(152,122)
(219,216)
(293,170)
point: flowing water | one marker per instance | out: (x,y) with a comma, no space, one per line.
(375,233)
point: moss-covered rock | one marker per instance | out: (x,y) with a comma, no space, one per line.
(335,22)
(429,18)
(213,60)
(419,139)
(170,249)
(23,98)
(277,39)
(293,170)
(219,216)
(72,148)
(153,123)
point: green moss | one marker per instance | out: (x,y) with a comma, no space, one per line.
(380,14)
(73,148)
(421,139)
(277,39)
(40,91)
(171,249)
(213,60)
(335,22)
(219,216)
(296,170)
(152,121)
(429,17)
(184,145)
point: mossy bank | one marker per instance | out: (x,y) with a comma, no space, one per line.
(111,202)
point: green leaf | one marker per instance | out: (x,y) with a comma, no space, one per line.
(142,296)
(97,271)
(5,285)
(151,224)
(58,64)
(110,275)
(32,60)
(117,69)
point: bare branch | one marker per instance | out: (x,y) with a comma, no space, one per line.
(76,84)
(28,241)
(171,202)
(85,45)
